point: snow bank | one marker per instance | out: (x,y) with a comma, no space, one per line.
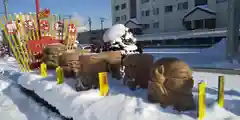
(217,50)
(122,103)
(17,106)
(63,97)
(213,56)
(8,111)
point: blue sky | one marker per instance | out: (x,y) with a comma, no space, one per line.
(85,8)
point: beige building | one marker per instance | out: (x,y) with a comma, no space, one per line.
(154,16)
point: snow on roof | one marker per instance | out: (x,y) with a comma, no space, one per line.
(201,7)
(133,20)
(205,7)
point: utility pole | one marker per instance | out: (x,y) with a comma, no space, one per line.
(90,23)
(232,30)
(102,21)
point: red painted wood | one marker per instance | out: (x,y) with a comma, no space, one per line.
(36,47)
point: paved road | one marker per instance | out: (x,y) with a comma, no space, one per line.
(217,70)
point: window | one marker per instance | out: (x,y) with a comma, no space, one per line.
(183,6)
(117,7)
(156,25)
(169,8)
(142,13)
(147,12)
(198,24)
(188,25)
(144,1)
(133,9)
(210,23)
(124,17)
(123,6)
(145,26)
(201,2)
(117,19)
(155,11)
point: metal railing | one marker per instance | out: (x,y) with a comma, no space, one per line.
(184,31)
(183,34)
(179,46)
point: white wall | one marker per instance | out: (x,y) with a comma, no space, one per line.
(173,20)
(198,14)
(169,21)
(222,14)
(120,12)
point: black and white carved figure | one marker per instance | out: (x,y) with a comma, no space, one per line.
(120,38)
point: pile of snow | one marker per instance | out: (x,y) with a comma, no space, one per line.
(213,56)
(17,106)
(8,110)
(217,50)
(124,104)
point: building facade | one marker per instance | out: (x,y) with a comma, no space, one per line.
(154,16)
(91,37)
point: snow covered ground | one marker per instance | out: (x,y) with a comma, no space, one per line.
(121,104)
(14,105)
(213,57)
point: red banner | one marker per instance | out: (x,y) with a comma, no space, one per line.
(44,25)
(36,46)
